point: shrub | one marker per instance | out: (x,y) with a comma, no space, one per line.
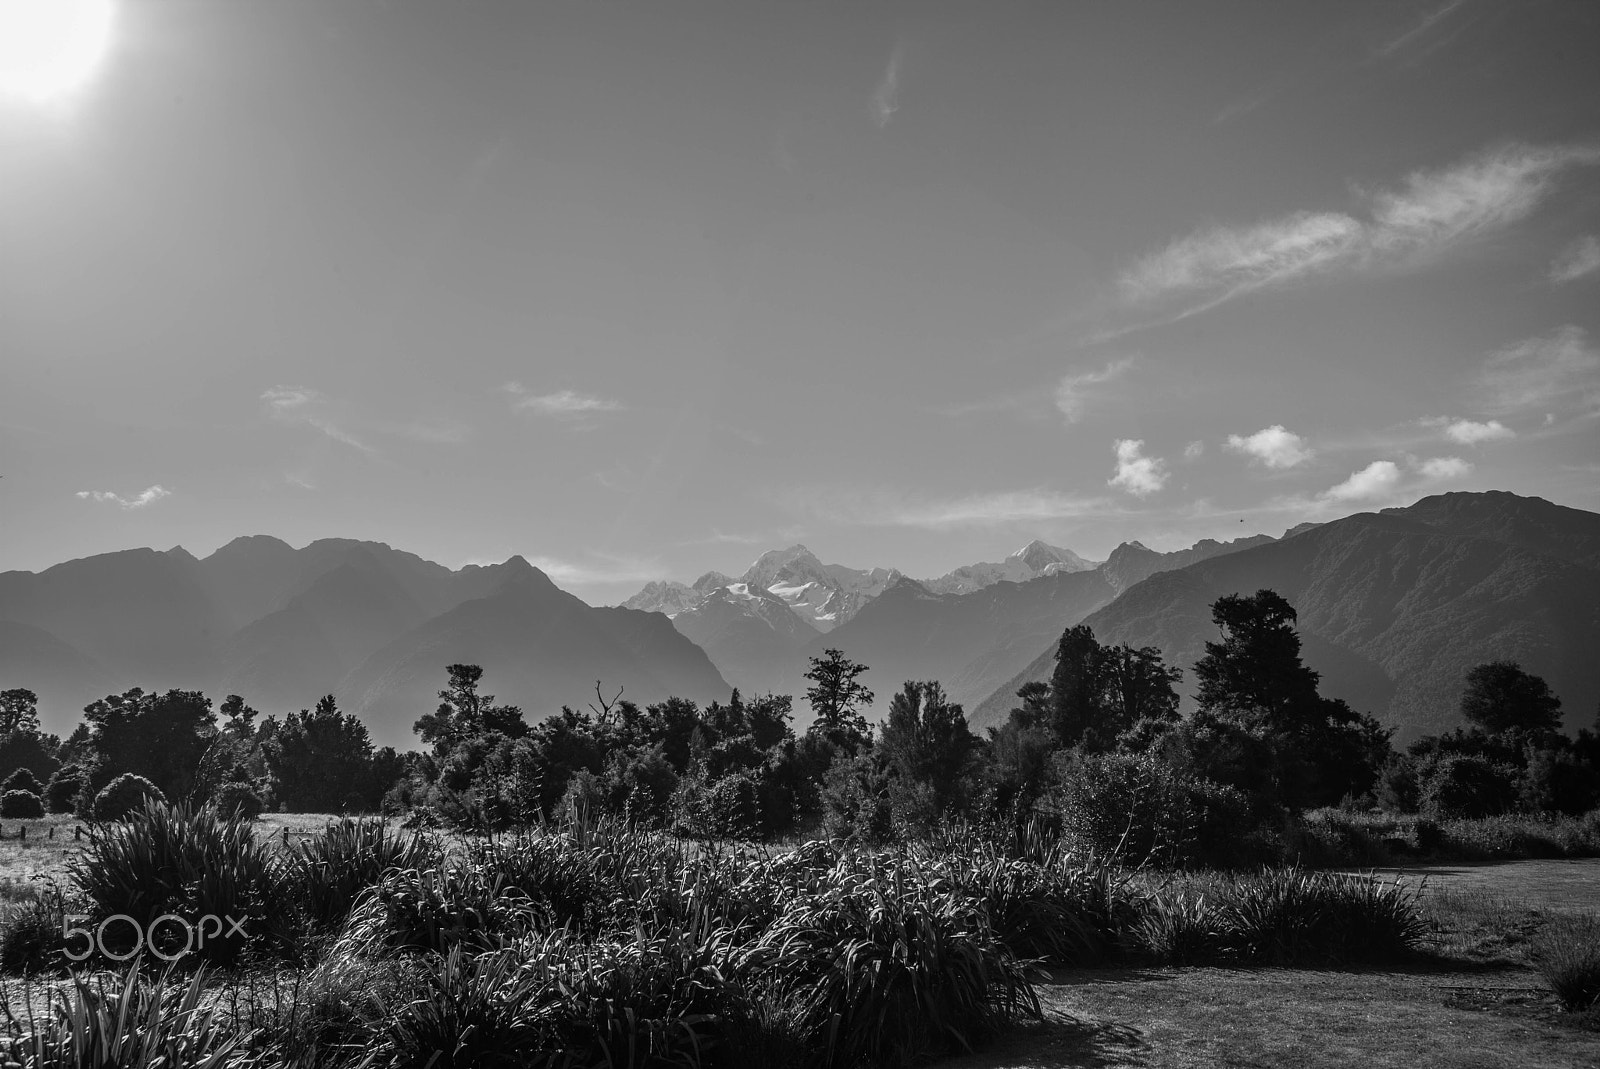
(125,795)
(329,871)
(192,862)
(21,805)
(1466,785)
(1294,917)
(238,799)
(1137,808)
(61,793)
(1567,954)
(22,779)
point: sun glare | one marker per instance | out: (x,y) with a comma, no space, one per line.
(49,48)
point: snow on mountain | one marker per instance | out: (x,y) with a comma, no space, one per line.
(1032,561)
(666,596)
(825,596)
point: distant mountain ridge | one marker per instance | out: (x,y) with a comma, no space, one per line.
(1394,607)
(284,626)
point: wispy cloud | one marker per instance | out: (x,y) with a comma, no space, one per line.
(1555,373)
(1273,447)
(143,499)
(1469,431)
(301,405)
(1418,31)
(891,508)
(569,405)
(886,97)
(1578,260)
(1429,213)
(1076,388)
(1136,473)
(1194,450)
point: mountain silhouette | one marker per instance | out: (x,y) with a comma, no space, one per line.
(1394,607)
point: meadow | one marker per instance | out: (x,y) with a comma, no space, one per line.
(592,943)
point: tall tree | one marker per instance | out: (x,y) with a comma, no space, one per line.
(19,711)
(161,737)
(320,760)
(1097,693)
(1254,675)
(464,713)
(1500,696)
(836,696)
(925,740)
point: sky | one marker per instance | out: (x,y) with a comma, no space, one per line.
(639,290)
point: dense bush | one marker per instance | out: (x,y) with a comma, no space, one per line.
(438,910)
(1467,785)
(192,862)
(30,935)
(1138,808)
(22,780)
(21,805)
(125,795)
(61,793)
(239,800)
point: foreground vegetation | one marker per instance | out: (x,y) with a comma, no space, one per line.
(595,943)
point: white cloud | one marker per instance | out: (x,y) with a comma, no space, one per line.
(142,499)
(563,404)
(1272,446)
(1137,474)
(298,404)
(1578,260)
(1439,468)
(1554,373)
(1378,479)
(1194,450)
(1429,213)
(1075,388)
(891,508)
(1471,432)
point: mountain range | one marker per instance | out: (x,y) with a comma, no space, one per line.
(1394,607)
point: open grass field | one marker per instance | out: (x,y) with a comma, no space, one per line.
(1474,1002)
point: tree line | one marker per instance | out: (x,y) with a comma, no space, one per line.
(1099,749)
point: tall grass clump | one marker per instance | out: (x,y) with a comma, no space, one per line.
(187,861)
(885,967)
(437,910)
(31,934)
(137,1024)
(1281,917)
(1567,955)
(328,871)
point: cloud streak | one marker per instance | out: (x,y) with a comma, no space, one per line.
(1556,373)
(301,405)
(886,97)
(1578,260)
(1418,31)
(563,404)
(143,499)
(887,508)
(1076,388)
(1428,214)
(1470,432)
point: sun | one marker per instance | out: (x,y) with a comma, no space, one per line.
(48,48)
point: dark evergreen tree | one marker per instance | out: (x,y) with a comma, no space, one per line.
(1501,697)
